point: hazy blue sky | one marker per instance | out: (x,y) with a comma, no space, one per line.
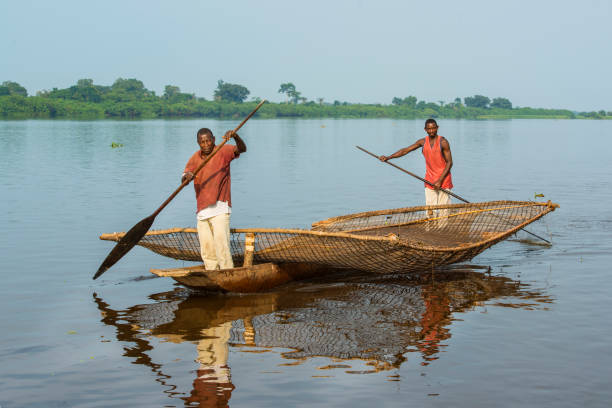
(536,53)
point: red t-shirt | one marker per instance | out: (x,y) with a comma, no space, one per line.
(213,182)
(435,164)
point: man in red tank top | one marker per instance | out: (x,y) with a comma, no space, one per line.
(438,163)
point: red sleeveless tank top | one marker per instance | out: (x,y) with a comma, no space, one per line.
(435,163)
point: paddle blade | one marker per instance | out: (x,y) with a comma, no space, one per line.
(129,240)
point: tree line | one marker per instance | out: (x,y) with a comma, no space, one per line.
(129,98)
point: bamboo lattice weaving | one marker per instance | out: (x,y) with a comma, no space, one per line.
(394,240)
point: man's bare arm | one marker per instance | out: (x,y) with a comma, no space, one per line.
(240,145)
(404,151)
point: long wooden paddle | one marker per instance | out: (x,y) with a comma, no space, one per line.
(446,191)
(131,238)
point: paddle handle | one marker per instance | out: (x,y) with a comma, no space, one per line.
(210,156)
(415,176)
(446,191)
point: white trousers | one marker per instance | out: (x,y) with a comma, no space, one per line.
(213,352)
(436,197)
(214,236)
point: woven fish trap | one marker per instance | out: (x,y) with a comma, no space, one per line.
(395,240)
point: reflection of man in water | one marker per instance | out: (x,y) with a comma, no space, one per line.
(213,386)
(435,317)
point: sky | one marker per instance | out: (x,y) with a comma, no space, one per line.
(538,53)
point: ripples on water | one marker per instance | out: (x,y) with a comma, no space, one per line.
(523,325)
(351,320)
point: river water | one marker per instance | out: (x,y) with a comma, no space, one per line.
(521,324)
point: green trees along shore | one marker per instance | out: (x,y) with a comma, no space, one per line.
(129,99)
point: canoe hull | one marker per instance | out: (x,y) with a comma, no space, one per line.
(255,278)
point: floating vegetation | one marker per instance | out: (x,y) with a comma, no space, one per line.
(116,145)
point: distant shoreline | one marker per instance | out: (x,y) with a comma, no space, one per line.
(38,107)
(130,99)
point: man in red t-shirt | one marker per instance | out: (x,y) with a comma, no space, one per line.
(212,186)
(438,162)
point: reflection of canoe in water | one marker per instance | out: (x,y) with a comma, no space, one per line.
(387,241)
(375,318)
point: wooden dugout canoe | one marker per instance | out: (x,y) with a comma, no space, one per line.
(386,241)
(245,279)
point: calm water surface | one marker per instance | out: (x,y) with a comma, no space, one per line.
(521,324)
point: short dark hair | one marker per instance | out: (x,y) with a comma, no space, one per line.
(428,121)
(204,131)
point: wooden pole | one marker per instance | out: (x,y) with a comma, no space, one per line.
(249,248)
